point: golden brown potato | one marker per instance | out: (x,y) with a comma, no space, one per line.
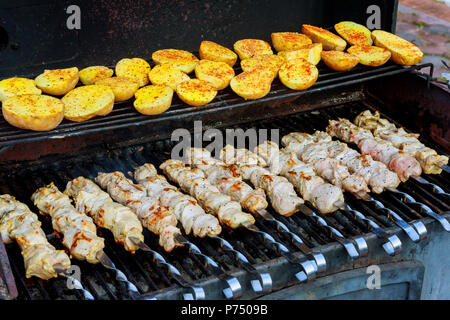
(248,48)
(310,53)
(354,33)
(219,74)
(57,82)
(154,99)
(288,41)
(90,75)
(338,60)
(167,75)
(329,40)
(215,52)
(196,92)
(298,74)
(370,55)
(252,85)
(180,59)
(33,112)
(136,69)
(122,87)
(271,62)
(402,51)
(17,86)
(86,102)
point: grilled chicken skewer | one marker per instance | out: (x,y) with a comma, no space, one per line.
(428,158)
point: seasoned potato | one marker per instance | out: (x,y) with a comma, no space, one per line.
(310,53)
(90,75)
(402,51)
(166,74)
(196,92)
(86,102)
(122,87)
(154,99)
(252,85)
(17,86)
(219,74)
(288,41)
(329,40)
(248,48)
(180,59)
(338,60)
(298,74)
(354,33)
(136,69)
(271,62)
(215,52)
(370,55)
(57,82)
(33,112)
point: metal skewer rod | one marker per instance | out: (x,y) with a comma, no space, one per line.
(436,189)
(76,284)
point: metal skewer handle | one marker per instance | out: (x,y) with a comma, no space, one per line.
(75,283)
(436,189)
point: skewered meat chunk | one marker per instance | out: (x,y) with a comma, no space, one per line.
(18,223)
(120,220)
(241,156)
(158,219)
(193,181)
(428,158)
(191,216)
(78,230)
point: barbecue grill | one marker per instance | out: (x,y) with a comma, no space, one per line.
(269,264)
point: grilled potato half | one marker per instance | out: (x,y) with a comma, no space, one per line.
(154,99)
(219,74)
(270,62)
(287,41)
(57,82)
(248,48)
(354,33)
(180,59)
(298,74)
(252,85)
(17,86)
(33,112)
(339,61)
(310,53)
(166,74)
(215,52)
(90,75)
(136,69)
(402,51)
(196,92)
(370,55)
(329,40)
(122,87)
(86,102)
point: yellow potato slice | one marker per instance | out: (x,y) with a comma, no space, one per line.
(215,52)
(270,62)
(86,102)
(122,87)
(219,74)
(166,74)
(196,92)
(310,53)
(354,33)
(329,40)
(90,75)
(370,55)
(252,85)
(248,48)
(33,112)
(17,86)
(298,74)
(136,69)
(402,51)
(288,41)
(154,99)
(180,59)
(338,60)
(57,82)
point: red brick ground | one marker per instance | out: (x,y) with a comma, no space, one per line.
(431,7)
